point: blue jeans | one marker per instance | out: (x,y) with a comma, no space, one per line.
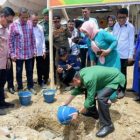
(29,73)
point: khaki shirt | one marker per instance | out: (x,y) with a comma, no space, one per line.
(60,38)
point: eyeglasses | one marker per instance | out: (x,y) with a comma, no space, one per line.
(123,17)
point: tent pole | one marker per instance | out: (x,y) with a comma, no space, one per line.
(65,14)
(128,8)
(51,44)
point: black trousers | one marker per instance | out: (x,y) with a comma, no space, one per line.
(103,107)
(83,56)
(124,71)
(92,111)
(10,76)
(29,72)
(2,83)
(42,69)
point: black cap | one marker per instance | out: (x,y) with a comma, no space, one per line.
(78,23)
(67,79)
(55,17)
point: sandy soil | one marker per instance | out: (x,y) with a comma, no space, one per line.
(39,122)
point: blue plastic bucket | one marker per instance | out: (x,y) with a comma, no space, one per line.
(49,95)
(64,114)
(25,98)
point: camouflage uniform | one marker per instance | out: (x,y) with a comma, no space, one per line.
(60,38)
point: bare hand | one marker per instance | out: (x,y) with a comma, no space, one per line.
(74,117)
(44,55)
(105,52)
(83,110)
(35,54)
(8,64)
(14,59)
(130,61)
(69,67)
(63,104)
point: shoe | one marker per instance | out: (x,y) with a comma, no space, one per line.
(94,114)
(137,99)
(130,90)
(35,82)
(33,91)
(120,95)
(6,105)
(105,130)
(2,112)
(43,86)
(11,90)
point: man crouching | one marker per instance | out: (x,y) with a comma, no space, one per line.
(100,83)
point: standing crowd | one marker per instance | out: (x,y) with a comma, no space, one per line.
(81,43)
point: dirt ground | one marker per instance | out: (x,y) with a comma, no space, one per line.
(39,121)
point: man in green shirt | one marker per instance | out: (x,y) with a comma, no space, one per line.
(45,25)
(100,83)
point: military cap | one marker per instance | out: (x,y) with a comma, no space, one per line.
(45,11)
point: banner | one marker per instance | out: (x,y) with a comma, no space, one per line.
(73,3)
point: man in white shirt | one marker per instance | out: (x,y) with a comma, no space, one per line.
(86,16)
(124,32)
(74,48)
(84,49)
(41,62)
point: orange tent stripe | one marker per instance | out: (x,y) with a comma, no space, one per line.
(56,2)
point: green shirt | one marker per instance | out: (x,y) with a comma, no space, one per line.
(96,78)
(45,26)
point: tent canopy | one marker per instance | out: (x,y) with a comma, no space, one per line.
(33,5)
(75,3)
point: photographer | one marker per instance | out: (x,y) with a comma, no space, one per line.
(67,63)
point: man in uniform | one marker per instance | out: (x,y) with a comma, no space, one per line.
(45,24)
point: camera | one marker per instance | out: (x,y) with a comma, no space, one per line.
(64,67)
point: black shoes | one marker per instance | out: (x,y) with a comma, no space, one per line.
(120,95)
(4,105)
(2,112)
(105,130)
(137,99)
(130,90)
(92,113)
